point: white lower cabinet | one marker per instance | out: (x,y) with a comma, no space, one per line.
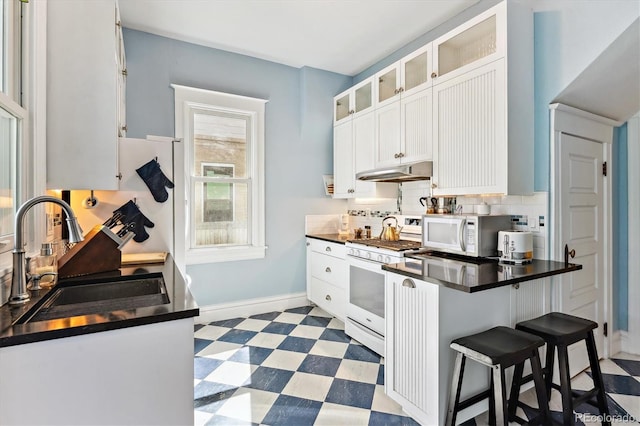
(327,276)
(422,320)
(132,375)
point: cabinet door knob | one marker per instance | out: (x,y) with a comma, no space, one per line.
(328,269)
(434,185)
(352,112)
(327,249)
(327,298)
(400,155)
(408,283)
(400,90)
(434,75)
(308,244)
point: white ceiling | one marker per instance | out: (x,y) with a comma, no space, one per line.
(610,85)
(343,36)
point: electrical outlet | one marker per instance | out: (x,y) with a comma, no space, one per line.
(532,221)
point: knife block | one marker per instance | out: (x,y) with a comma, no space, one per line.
(98,252)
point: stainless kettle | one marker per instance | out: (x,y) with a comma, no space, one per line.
(390,233)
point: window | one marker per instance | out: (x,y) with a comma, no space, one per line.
(12,117)
(223,139)
(217,197)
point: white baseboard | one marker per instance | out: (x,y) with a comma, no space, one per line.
(246,308)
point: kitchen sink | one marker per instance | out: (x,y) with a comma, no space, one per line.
(98,297)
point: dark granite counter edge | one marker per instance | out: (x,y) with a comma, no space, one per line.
(20,339)
(182,305)
(467,289)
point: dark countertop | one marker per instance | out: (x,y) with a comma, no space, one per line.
(181,305)
(332,238)
(472,276)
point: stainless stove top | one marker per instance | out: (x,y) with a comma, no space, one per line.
(399,245)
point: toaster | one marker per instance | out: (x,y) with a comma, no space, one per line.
(515,247)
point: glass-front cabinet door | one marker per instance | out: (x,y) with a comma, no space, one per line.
(341,106)
(354,101)
(405,77)
(388,81)
(416,70)
(479,41)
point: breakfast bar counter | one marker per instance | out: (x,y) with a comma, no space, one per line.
(473,275)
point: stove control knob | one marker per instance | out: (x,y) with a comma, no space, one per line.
(351,252)
(387,259)
(356,253)
(368,255)
(380,258)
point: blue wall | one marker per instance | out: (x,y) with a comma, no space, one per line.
(299,149)
(620,230)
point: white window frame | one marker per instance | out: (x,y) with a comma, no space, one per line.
(25,99)
(187,100)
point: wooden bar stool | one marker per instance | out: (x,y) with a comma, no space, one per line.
(498,348)
(559,331)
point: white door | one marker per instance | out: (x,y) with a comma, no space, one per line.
(582,293)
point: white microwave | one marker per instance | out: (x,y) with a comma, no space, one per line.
(466,235)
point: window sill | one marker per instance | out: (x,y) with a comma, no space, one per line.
(226,254)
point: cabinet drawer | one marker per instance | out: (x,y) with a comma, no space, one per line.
(329,269)
(325,247)
(329,297)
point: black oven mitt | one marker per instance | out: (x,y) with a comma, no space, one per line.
(155,180)
(132,214)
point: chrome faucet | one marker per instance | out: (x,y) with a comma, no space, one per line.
(19,293)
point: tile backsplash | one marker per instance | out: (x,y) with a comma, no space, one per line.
(529,212)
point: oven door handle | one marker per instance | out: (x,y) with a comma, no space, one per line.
(462,225)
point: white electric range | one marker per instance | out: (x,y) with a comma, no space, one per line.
(365,293)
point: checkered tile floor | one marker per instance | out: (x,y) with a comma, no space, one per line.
(299,368)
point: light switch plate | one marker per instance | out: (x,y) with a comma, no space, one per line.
(533,224)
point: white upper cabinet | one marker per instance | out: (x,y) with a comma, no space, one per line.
(353,144)
(85,94)
(463,101)
(354,101)
(403,110)
(354,141)
(405,77)
(483,104)
(477,42)
(405,130)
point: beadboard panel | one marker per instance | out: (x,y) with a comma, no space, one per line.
(470,123)
(388,125)
(416,126)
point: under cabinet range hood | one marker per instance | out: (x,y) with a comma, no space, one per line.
(400,173)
